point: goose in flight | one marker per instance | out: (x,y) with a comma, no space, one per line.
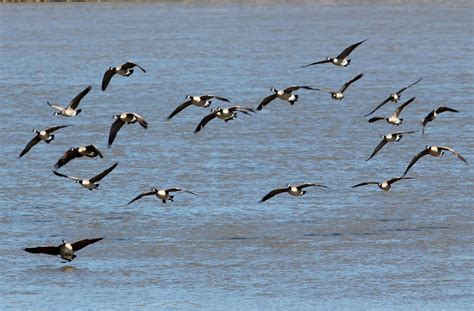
(125,118)
(89,151)
(435,151)
(384,185)
(225,114)
(123,70)
(89,183)
(294,190)
(433,114)
(285,94)
(162,194)
(339,95)
(199,101)
(65,250)
(71,110)
(41,135)
(394,118)
(395,97)
(389,138)
(341,59)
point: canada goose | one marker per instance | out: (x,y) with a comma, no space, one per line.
(65,250)
(200,101)
(41,135)
(125,118)
(123,70)
(339,95)
(341,59)
(395,97)
(89,151)
(70,110)
(225,114)
(384,185)
(433,114)
(435,151)
(393,119)
(162,194)
(89,183)
(294,190)
(391,137)
(285,94)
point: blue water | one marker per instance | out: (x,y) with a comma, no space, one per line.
(332,249)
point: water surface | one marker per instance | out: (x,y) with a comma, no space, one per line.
(336,248)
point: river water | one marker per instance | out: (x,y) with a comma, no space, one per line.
(332,249)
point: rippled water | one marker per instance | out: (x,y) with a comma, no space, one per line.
(336,248)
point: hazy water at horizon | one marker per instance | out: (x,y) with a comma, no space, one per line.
(336,248)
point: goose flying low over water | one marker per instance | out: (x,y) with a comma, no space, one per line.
(395,97)
(65,250)
(433,114)
(341,59)
(285,94)
(394,118)
(71,110)
(41,135)
(162,194)
(200,101)
(339,95)
(89,151)
(89,183)
(123,70)
(389,138)
(125,118)
(384,185)
(225,114)
(294,190)
(435,151)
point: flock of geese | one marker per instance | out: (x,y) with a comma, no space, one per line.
(66,250)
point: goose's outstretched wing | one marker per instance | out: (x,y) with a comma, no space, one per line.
(75,101)
(348,83)
(406,87)
(30,145)
(349,50)
(141,120)
(365,184)
(305,185)
(180,108)
(273,193)
(266,101)
(66,176)
(103,174)
(317,63)
(415,158)
(66,157)
(109,73)
(83,243)
(116,126)
(204,121)
(393,180)
(207,97)
(141,195)
(400,108)
(457,155)
(130,65)
(375,119)
(50,250)
(379,146)
(378,106)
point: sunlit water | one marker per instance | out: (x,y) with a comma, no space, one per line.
(335,248)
